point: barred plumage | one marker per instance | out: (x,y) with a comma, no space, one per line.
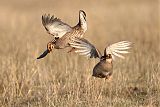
(62,32)
(104,68)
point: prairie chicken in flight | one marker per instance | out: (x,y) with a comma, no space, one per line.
(104,68)
(62,32)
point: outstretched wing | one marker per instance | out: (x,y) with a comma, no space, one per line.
(55,26)
(84,47)
(117,49)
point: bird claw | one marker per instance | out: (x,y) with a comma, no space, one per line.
(50,46)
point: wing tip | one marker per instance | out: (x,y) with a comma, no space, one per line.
(47,18)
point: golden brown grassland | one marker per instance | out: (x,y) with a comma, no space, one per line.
(64,80)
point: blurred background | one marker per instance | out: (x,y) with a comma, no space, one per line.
(63,79)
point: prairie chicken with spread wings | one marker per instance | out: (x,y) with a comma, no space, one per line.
(62,32)
(104,68)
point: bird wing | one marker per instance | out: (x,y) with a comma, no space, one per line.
(84,47)
(55,26)
(117,49)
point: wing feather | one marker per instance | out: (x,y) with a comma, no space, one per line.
(55,26)
(117,49)
(84,47)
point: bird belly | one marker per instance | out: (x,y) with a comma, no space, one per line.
(101,70)
(61,44)
(64,41)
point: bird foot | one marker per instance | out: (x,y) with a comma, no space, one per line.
(50,46)
(108,78)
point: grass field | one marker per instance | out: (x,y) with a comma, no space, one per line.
(64,79)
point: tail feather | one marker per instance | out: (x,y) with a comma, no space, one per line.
(43,54)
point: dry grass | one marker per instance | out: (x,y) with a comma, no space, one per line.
(63,79)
